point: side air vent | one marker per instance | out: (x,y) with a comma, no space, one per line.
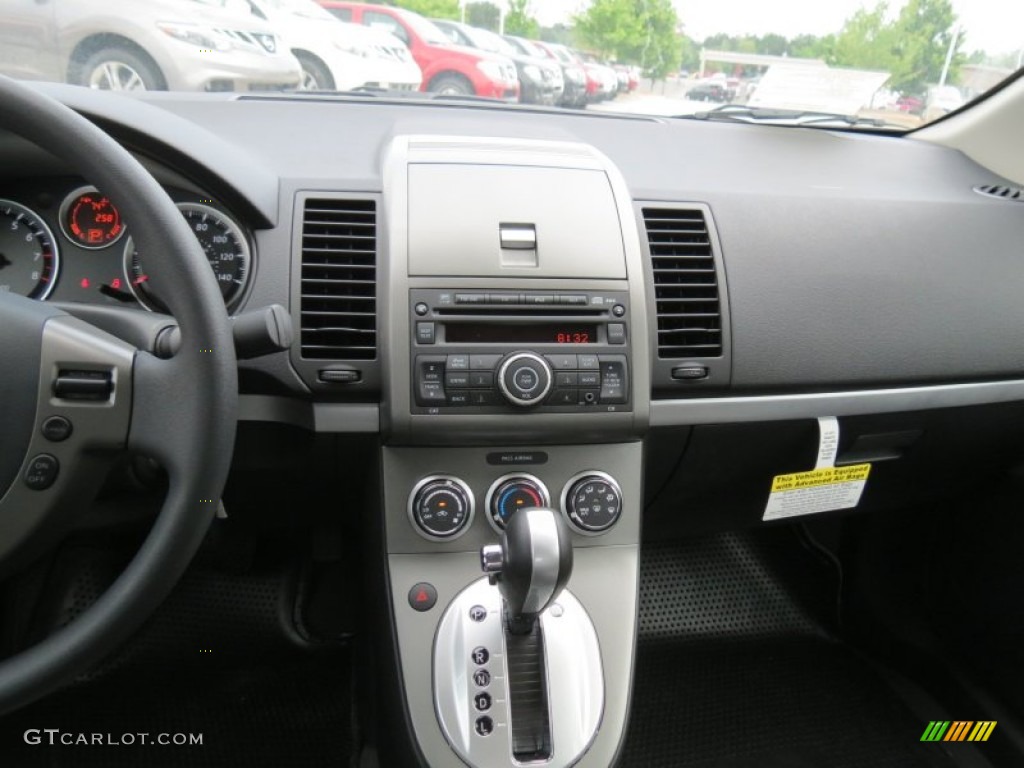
(1001,191)
(685,283)
(339,280)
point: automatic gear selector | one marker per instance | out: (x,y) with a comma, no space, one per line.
(531,566)
(517,669)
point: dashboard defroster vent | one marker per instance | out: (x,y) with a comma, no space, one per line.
(685,283)
(339,280)
(1002,191)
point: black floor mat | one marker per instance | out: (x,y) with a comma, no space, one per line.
(220,659)
(737,666)
(295,714)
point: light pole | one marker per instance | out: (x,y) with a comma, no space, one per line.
(949,54)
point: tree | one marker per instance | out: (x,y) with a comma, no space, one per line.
(559,33)
(484,15)
(912,48)
(689,53)
(518,20)
(635,31)
(433,9)
(926,29)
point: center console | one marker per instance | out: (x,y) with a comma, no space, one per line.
(515,403)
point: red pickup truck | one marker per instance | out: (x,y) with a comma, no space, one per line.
(447,68)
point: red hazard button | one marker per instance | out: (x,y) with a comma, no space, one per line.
(422,596)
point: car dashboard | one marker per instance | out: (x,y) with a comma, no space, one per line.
(636,321)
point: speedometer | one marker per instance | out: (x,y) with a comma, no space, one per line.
(224,244)
(29,260)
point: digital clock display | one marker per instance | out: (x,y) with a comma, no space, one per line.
(521,333)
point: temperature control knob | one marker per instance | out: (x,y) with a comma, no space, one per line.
(524,379)
(592,502)
(441,507)
(511,493)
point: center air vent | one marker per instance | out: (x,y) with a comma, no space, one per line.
(685,283)
(1001,191)
(339,280)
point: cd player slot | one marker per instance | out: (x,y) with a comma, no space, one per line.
(512,313)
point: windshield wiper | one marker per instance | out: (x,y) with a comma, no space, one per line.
(738,113)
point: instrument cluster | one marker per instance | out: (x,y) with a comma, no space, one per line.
(64,241)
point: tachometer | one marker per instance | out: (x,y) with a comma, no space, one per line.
(29,260)
(224,243)
(90,220)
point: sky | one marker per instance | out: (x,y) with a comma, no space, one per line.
(996,26)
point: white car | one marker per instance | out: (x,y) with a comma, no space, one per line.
(335,55)
(178,45)
(941,100)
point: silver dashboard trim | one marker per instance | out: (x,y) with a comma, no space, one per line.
(365,417)
(732,410)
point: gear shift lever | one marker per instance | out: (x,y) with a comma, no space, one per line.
(530,566)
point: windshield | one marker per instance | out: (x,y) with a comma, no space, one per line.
(525,48)
(489,41)
(886,63)
(426,29)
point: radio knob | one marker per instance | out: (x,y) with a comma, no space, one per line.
(524,379)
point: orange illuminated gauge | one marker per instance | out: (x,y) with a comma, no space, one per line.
(90,220)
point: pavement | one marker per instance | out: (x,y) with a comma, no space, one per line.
(652,104)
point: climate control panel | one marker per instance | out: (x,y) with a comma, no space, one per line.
(441,507)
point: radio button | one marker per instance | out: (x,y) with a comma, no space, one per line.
(542,298)
(589,379)
(483,397)
(575,298)
(431,371)
(564,362)
(563,397)
(525,380)
(458,362)
(425,333)
(460,397)
(481,379)
(505,298)
(484,362)
(567,379)
(430,393)
(613,379)
(456,379)
(470,298)
(616,333)
(588,363)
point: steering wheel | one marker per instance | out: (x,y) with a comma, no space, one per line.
(180,411)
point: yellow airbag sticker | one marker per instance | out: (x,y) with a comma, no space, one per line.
(819,490)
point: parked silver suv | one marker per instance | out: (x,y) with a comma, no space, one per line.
(195,45)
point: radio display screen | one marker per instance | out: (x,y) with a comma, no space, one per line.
(521,333)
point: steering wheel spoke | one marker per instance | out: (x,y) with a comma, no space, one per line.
(81,417)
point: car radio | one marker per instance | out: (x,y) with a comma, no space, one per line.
(501,351)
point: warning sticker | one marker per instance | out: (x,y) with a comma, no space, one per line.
(819,490)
